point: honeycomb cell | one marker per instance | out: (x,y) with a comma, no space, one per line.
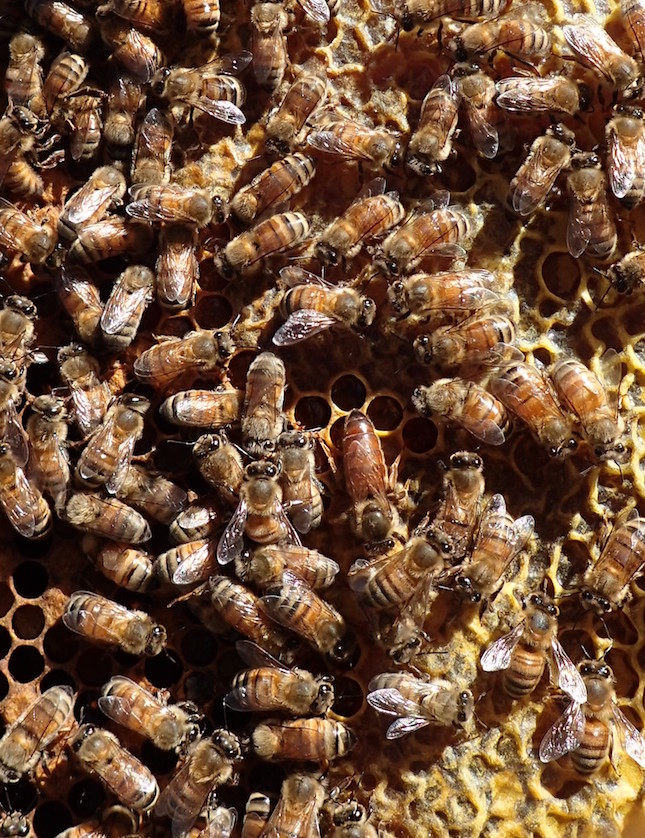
(348,392)
(30,579)
(6,599)
(198,647)
(161,762)
(5,641)
(59,645)
(561,275)
(57,678)
(25,664)
(164,670)
(28,621)
(312,412)
(94,667)
(85,797)
(349,696)
(419,435)
(4,686)
(51,818)
(385,412)
(213,312)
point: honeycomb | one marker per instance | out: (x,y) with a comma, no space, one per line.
(487,780)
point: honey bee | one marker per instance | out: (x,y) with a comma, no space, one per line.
(203,408)
(11,431)
(73,27)
(524,653)
(526,392)
(199,519)
(625,135)
(590,731)
(458,513)
(23,78)
(49,460)
(109,237)
(126,566)
(354,141)
(106,516)
(103,621)
(418,703)
(521,35)
(240,608)
(256,815)
(88,205)
(311,305)
(296,812)
(300,488)
(37,727)
(152,149)
(498,541)
(204,351)
(269,685)
(413,13)
(220,464)
(159,498)
(19,145)
(18,317)
(169,203)
(431,142)
(81,300)
(245,252)
(550,154)
(265,566)
(263,419)
(66,74)
(219,823)
(548,94)
(177,267)
(366,218)
(187,563)
(90,396)
(454,295)
(22,502)
(272,187)
(628,274)
(466,404)
(209,763)
(202,16)
(596,49)
(287,125)
(100,753)
(305,740)
(83,115)
(106,458)
(32,241)
(269,22)
(125,98)
(632,16)
(131,294)
(144,14)
(133,707)
(132,50)
(473,341)
(477,93)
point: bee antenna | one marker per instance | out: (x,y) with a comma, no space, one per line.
(479,720)
(609,637)
(586,653)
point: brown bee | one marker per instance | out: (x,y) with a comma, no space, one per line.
(49,460)
(133,707)
(131,294)
(351,820)
(625,135)
(458,514)
(125,98)
(89,204)
(596,49)
(157,497)
(23,78)
(628,275)
(354,141)
(90,396)
(591,730)
(12,383)
(208,764)
(108,517)
(177,267)
(287,126)
(81,299)
(265,566)
(413,13)
(454,295)
(203,408)
(106,458)
(219,822)
(220,464)
(132,50)
(83,116)
(526,392)
(263,418)
(477,92)
(187,563)
(36,728)
(305,740)
(128,567)
(550,154)
(466,404)
(32,241)
(22,502)
(498,541)
(154,15)
(66,74)
(103,621)
(418,703)
(202,16)
(296,812)
(100,753)
(300,488)
(521,35)
(269,22)
(152,149)
(169,203)
(269,685)
(368,217)
(431,142)
(272,187)
(471,342)
(19,146)
(199,519)
(550,94)
(632,14)
(75,28)
(245,253)
(256,815)
(112,236)
(18,317)
(201,351)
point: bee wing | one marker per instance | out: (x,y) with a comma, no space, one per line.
(570,680)
(484,135)
(232,541)
(563,736)
(625,162)
(232,64)
(522,95)
(197,567)
(124,458)
(401,727)
(329,142)
(498,654)
(591,42)
(221,823)
(304,823)
(44,725)
(14,434)
(177,274)
(119,709)
(121,307)
(482,428)
(302,324)
(220,109)
(391,701)
(522,530)
(542,176)
(182,800)
(293,275)
(316,10)
(92,205)
(630,738)
(255,656)
(21,504)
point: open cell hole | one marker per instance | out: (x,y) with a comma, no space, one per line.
(164,670)
(59,644)
(419,435)
(213,312)
(312,412)
(385,412)
(348,392)
(25,664)
(57,678)
(28,621)
(85,797)
(94,667)
(198,647)
(51,818)
(30,580)
(5,641)
(6,599)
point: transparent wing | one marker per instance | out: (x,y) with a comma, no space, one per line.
(624,164)
(196,567)
(91,205)
(240,699)
(182,800)
(120,709)
(498,654)
(329,142)
(591,42)
(220,109)
(20,504)
(401,727)
(231,543)
(232,64)
(482,428)
(565,735)
(255,656)
(293,275)
(301,325)
(284,821)
(485,136)
(522,530)
(570,680)
(538,178)
(220,823)
(317,10)
(523,95)
(43,719)
(123,460)
(631,739)
(122,307)
(14,435)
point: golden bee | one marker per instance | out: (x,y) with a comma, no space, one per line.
(19,146)
(83,115)
(12,382)
(628,274)
(269,22)
(202,16)
(203,408)
(305,740)
(106,457)
(131,294)
(108,517)
(594,48)
(109,237)
(413,13)
(593,730)
(22,502)
(187,563)
(219,822)
(199,519)
(431,141)
(300,488)
(528,394)
(454,295)
(256,815)
(126,566)
(18,317)
(488,130)
(632,14)
(625,136)
(19,234)
(245,253)
(272,187)
(37,727)
(263,419)
(288,124)
(63,21)
(459,509)
(100,753)
(524,653)
(466,404)
(152,149)
(103,191)
(23,78)
(168,727)
(158,497)
(220,464)
(269,685)
(153,15)
(351,820)
(169,203)
(90,396)
(103,621)
(202,351)
(521,35)
(265,565)
(549,94)
(66,74)
(81,300)
(49,459)
(297,810)
(177,268)
(355,141)
(125,98)
(474,341)
(550,154)
(131,49)
(418,702)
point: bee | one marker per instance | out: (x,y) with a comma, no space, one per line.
(594,48)
(590,731)
(418,703)
(100,753)
(263,419)
(269,22)
(210,763)
(466,404)
(413,13)
(550,94)
(272,187)
(81,300)
(135,52)
(203,408)
(37,727)
(22,502)
(90,396)
(126,566)
(477,93)
(177,267)
(473,341)
(199,519)
(256,815)
(625,135)
(72,26)
(187,563)
(521,35)
(23,78)
(220,464)
(83,115)
(245,253)
(606,585)
(202,16)
(354,141)
(296,812)
(103,621)
(89,204)
(219,823)
(169,203)
(159,498)
(109,237)
(498,541)
(632,16)
(131,294)
(269,685)
(201,351)
(454,295)
(550,154)
(106,516)
(153,15)
(18,317)
(431,142)
(628,274)
(125,98)
(12,382)
(32,241)
(66,74)
(287,125)
(458,514)
(351,820)
(366,218)
(19,145)
(133,707)
(305,740)
(311,305)
(15,823)
(240,608)
(106,458)
(152,149)
(265,566)
(300,488)
(49,460)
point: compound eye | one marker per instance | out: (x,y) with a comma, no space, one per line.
(604,672)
